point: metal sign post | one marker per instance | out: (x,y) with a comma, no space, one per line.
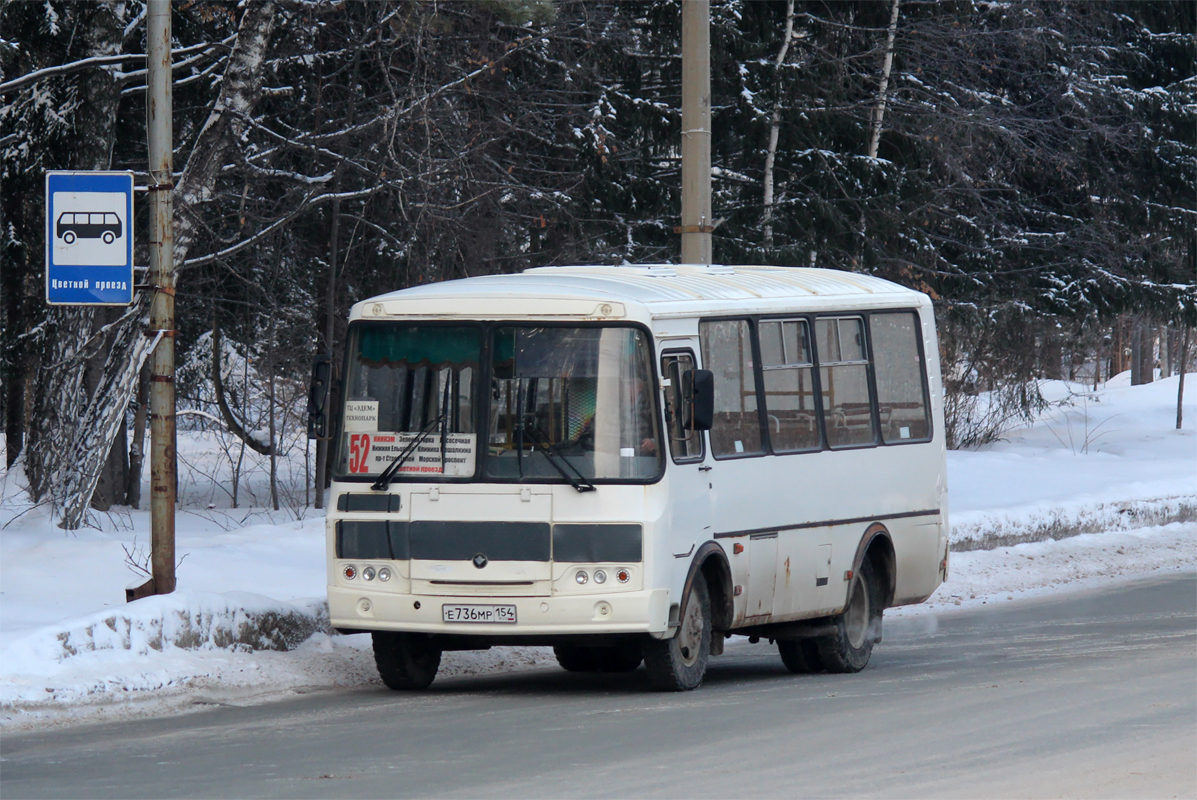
(89,238)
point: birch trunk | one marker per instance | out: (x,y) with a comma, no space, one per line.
(775,128)
(240,90)
(95,433)
(879,114)
(883,88)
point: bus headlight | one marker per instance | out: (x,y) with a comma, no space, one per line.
(350,572)
(581,577)
(600,576)
(368,573)
(384,574)
(623,575)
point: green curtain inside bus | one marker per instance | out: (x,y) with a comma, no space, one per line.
(431,345)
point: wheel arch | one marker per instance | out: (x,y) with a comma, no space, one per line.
(877,546)
(712,562)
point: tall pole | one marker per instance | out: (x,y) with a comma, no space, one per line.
(696,224)
(162,305)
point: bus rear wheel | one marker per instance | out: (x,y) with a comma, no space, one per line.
(801,656)
(849,648)
(679,664)
(406,660)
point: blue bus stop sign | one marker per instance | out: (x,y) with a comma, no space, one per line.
(89,238)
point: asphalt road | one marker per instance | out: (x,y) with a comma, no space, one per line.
(1086,695)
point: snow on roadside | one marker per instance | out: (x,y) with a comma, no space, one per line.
(1085,561)
(987,530)
(1095,461)
(116,683)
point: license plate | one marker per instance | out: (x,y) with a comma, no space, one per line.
(451,613)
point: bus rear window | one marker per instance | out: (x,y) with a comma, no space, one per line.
(901,399)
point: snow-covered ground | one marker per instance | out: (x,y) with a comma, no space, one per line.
(1102,488)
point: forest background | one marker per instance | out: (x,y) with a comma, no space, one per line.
(1031,165)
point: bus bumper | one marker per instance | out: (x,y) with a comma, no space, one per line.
(622,612)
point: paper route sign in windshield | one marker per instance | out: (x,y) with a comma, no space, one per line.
(371,453)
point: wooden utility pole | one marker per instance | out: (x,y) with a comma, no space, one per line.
(696,224)
(160,127)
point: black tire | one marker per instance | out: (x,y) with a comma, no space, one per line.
(406,661)
(597,659)
(619,659)
(849,648)
(69,237)
(109,237)
(576,659)
(801,656)
(679,664)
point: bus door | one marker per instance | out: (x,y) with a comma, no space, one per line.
(689,477)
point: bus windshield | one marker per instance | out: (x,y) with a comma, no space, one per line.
(564,404)
(571,400)
(405,380)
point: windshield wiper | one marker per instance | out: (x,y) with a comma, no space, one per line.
(579,481)
(384,479)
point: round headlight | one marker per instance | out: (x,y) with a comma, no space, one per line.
(581,576)
(368,573)
(384,574)
(600,576)
(350,572)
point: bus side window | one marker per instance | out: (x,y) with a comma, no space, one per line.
(684,445)
(727,352)
(789,385)
(843,373)
(901,396)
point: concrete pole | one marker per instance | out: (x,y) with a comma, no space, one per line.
(696,224)
(159,110)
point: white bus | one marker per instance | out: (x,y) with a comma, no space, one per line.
(632,464)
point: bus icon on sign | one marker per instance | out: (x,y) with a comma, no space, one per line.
(78,225)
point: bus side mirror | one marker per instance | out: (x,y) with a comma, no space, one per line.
(698,394)
(318,398)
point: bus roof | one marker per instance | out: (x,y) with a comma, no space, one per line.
(662,290)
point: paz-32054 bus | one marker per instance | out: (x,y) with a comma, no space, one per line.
(632,464)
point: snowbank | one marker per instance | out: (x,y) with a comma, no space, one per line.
(190,648)
(987,530)
(130,648)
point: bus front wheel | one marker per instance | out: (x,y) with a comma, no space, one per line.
(406,660)
(679,664)
(849,648)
